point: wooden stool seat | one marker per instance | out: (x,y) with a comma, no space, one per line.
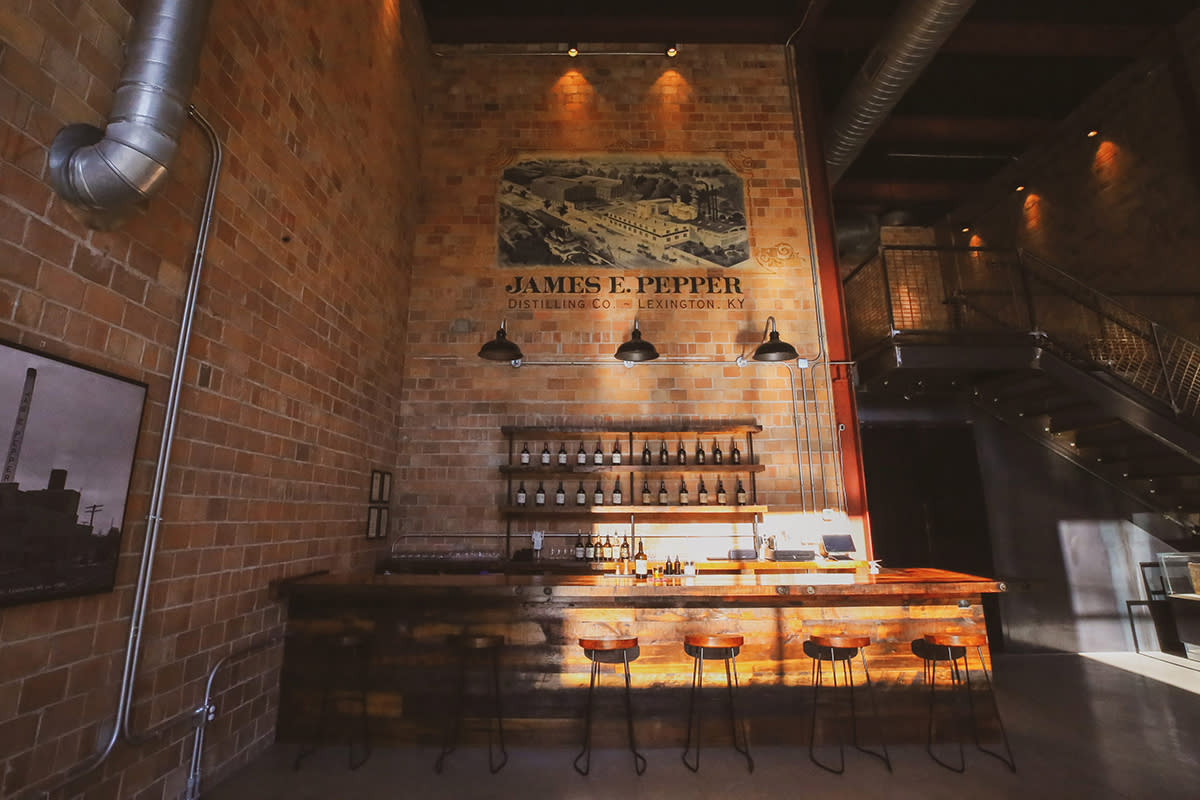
(955,639)
(609,643)
(843,641)
(717,640)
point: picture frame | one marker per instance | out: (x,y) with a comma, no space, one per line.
(68,437)
(381,487)
(377,522)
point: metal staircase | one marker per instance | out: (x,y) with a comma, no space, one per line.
(1110,390)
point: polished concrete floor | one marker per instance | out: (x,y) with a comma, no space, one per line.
(1080,727)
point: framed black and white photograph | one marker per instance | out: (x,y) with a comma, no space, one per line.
(381,487)
(377,522)
(69,434)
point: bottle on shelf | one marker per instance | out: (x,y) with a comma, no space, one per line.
(702,493)
(717,455)
(617,497)
(663,457)
(598,495)
(667,566)
(722,498)
(562,455)
(639,560)
(521,496)
(546,454)
(598,455)
(580,496)
(678,566)
(581,456)
(681,454)
(683,492)
(740,493)
(616,452)
(625,548)
(646,452)
(580,549)
(735,455)
(589,549)
(539,497)
(597,548)
(525,455)
(699,452)
(663,499)
(560,495)
(608,551)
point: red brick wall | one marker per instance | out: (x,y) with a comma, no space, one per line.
(488,110)
(293,382)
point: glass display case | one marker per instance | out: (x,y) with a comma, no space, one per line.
(1180,573)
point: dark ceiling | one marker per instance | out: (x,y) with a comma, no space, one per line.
(1010,71)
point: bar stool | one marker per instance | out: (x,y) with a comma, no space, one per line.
(467,647)
(842,649)
(939,647)
(346,658)
(609,650)
(724,647)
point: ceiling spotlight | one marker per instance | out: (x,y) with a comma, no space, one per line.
(966,228)
(1093,133)
(773,349)
(501,349)
(636,349)
(672,50)
(572,49)
(1020,187)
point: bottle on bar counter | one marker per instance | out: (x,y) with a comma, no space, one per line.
(735,455)
(646,452)
(580,550)
(581,456)
(625,548)
(546,455)
(598,455)
(617,497)
(616,454)
(580,496)
(681,454)
(598,495)
(663,457)
(702,494)
(717,455)
(524,455)
(589,549)
(521,496)
(678,566)
(741,493)
(722,498)
(608,550)
(639,561)
(699,452)
(683,492)
(663,499)
(645,493)
(560,495)
(562,455)
(539,497)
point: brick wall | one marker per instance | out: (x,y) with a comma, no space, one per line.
(488,110)
(292,386)
(1118,211)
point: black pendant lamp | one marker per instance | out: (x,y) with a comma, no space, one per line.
(636,349)
(501,349)
(774,349)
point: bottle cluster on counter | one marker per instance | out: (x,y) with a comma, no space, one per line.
(613,457)
(597,549)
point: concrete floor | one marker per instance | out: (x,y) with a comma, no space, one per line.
(1080,728)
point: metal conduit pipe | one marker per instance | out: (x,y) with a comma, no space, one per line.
(104,174)
(142,588)
(914,36)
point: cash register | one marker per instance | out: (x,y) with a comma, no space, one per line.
(838,546)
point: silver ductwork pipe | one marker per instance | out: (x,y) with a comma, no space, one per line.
(103,175)
(914,36)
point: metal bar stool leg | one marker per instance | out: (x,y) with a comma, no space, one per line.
(694,712)
(932,702)
(492,765)
(587,721)
(450,743)
(884,756)
(1010,761)
(817,683)
(733,717)
(322,715)
(639,761)
(363,676)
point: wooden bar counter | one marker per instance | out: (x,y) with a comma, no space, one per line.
(409,617)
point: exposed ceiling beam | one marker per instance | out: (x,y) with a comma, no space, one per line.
(899,193)
(601,28)
(1003,38)
(971,130)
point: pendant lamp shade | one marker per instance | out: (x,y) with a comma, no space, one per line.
(774,349)
(500,348)
(636,349)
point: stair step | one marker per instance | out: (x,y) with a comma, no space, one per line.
(1012,384)
(1079,418)
(1145,468)
(1116,436)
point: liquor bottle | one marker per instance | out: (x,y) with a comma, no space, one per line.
(546,455)
(524,455)
(646,452)
(539,497)
(663,458)
(521,496)
(581,456)
(645,493)
(735,455)
(718,457)
(617,497)
(616,454)
(678,566)
(579,547)
(598,456)
(597,548)
(580,496)
(625,548)
(681,454)
(667,566)
(741,493)
(702,494)
(589,549)
(683,492)
(598,495)
(560,496)
(662,494)
(562,455)
(639,560)
(608,553)
(699,452)
(722,498)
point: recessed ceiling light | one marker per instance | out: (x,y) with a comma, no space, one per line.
(572,49)
(672,50)
(1020,187)
(1093,133)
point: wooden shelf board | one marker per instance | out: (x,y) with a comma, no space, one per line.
(634,510)
(599,469)
(702,428)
